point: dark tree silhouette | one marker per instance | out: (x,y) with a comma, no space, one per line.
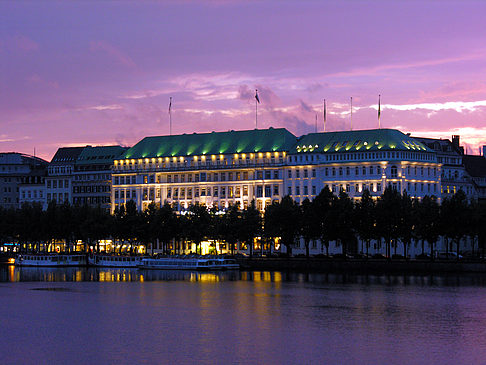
(365,219)
(282,220)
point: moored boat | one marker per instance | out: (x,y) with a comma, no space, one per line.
(189,263)
(228,264)
(114,261)
(50,260)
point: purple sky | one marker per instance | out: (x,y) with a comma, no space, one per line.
(100,72)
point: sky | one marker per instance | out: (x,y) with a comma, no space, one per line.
(75,73)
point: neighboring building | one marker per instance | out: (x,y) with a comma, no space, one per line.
(476,169)
(92,175)
(357,160)
(60,174)
(33,187)
(216,169)
(454,175)
(14,167)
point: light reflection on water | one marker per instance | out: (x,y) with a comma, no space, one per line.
(75,274)
(73,315)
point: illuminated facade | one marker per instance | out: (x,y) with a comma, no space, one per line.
(357,160)
(216,169)
(454,176)
(236,167)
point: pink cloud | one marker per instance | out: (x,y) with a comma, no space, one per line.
(113,52)
(18,43)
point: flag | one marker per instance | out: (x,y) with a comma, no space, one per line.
(256,96)
(170,104)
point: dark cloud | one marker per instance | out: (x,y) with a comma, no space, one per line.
(244,93)
(304,107)
(316,87)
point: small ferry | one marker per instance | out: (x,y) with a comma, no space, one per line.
(228,264)
(50,260)
(114,261)
(189,263)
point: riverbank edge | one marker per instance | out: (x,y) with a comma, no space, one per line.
(360,265)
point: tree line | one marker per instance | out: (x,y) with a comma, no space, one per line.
(390,220)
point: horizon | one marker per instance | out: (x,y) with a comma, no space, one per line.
(84,73)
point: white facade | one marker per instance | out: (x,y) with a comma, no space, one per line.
(216,181)
(352,161)
(33,193)
(59,183)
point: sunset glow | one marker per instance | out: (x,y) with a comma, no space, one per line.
(76,73)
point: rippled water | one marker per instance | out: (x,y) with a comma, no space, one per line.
(131,316)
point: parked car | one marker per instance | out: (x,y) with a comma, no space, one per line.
(447,256)
(341,256)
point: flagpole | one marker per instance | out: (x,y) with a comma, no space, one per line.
(379,111)
(324,112)
(170,116)
(316,122)
(351,113)
(257,101)
(256,110)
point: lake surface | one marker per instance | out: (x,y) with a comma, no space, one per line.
(106,316)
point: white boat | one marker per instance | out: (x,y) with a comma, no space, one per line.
(228,264)
(50,260)
(190,263)
(114,261)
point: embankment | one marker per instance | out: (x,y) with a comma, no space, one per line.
(361,265)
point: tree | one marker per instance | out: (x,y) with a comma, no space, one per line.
(407,222)
(166,225)
(250,225)
(150,226)
(427,222)
(482,228)
(230,226)
(388,216)
(199,221)
(365,220)
(454,217)
(282,220)
(341,220)
(322,206)
(309,226)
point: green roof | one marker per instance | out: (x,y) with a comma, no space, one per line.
(361,140)
(256,140)
(100,155)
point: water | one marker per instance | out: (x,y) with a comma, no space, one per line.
(60,316)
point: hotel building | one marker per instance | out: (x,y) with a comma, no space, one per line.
(236,167)
(215,169)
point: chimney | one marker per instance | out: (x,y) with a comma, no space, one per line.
(455,141)
(484,151)
(455,144)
